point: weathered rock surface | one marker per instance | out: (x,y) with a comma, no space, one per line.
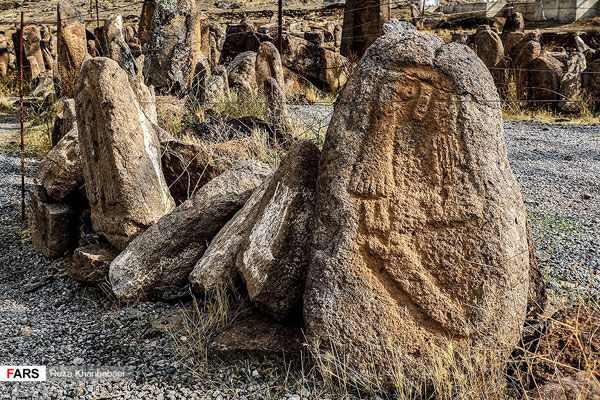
(65,121)
(146,95)
(163,256)
(71,45)
(115,46)
(537,299)
(90,263)
(326,69)
(419,234)
(216,269)
(273,258)
(396,26)
(174,44)
(266,240)
(258,336)
(591,79)
(241,73)
(188,167)
(4,56)
(297,87)
(571,83)
(240,38)
(121,154)
(61,170)
(33,59)
(363,22)
(514,23)
(277,112)
(268,65)
(544,79)
(511,39)
(217,87)
(145,22)
(53,225)
(526,53)
(488,46)
(574,387)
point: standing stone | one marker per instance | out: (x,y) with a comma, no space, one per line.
(571,82)
(511,39)
(419,235)
(591,80)
(120,153)
(527,53)
(337,36)
(32,52)
(514,23)
(363,23)
(115,46)
(145,22)
(277,112)
(65,120)
(61,170)
(217,87)
(325,68)
(53,225)
(268,65)
(488,46)
(90,263)
(544,79)
(175,43)
(4,55)
(241,73)
(163,256)
(71,45)
(146,95)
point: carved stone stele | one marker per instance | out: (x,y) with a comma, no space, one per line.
(419,228)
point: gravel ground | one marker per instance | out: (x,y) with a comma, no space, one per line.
(48,319)
(558,170)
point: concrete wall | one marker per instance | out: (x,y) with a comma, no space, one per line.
(565,10)
(491,9)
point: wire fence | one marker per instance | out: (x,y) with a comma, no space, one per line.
(347,66)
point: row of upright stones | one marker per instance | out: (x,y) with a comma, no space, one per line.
(524,68)
(405,234)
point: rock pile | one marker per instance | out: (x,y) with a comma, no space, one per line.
(524,67)
(405,234)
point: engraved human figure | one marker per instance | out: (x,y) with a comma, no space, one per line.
(418,125)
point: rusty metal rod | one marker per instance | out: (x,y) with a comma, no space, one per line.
(280,30)
(22,120)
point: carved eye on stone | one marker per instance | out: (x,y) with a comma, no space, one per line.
(407,91)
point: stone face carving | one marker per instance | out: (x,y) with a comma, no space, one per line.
(420,230)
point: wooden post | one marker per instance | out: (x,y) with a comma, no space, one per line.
(97,15)
(22,120)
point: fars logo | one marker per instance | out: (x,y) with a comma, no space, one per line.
(22,373)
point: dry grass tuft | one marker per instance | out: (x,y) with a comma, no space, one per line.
(236,106)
